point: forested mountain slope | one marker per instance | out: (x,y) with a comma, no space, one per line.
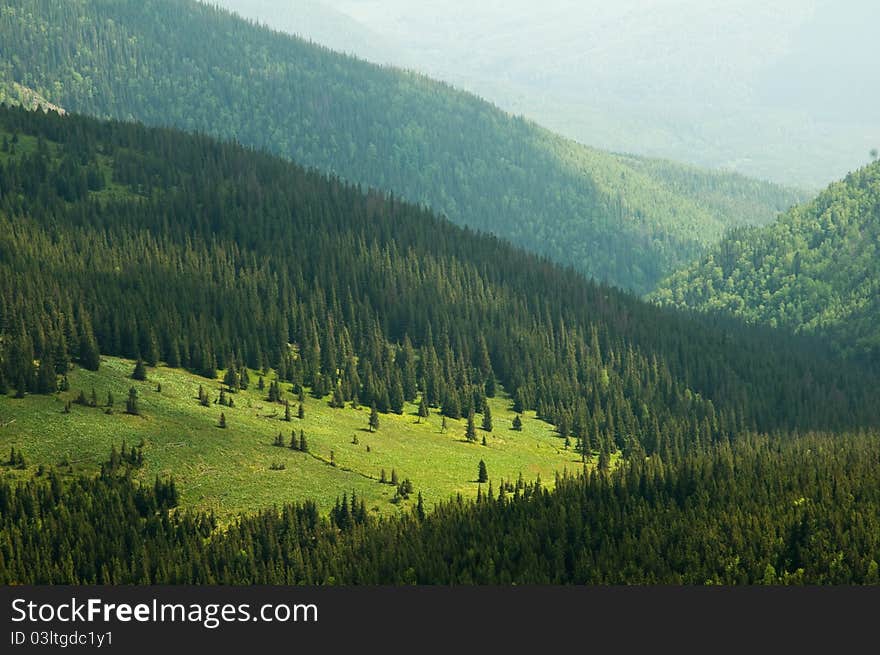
(817,270)
(180,63)
(150,243)
(760,511)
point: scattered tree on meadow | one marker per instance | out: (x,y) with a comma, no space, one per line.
(482,472)
(131,404)
(374,419)
(140,371)
(471,430)
(487,418)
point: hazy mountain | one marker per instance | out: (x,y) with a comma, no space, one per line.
(781,89)
(174,62)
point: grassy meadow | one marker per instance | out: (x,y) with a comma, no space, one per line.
(231,470)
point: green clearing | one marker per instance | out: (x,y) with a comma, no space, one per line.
(228,470)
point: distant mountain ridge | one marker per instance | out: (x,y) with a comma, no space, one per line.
(176,62)
(817,270)
(782,90)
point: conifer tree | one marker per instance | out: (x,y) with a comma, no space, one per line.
(131,404)
(140,371)
(338,400)
(287,411)
(517,423)
(487,418)
(490,389)
(222,422)
(471,431)
(420,508)
(47,382)
(482,472)
(423,409)
(89,356)
(301,411)
(396,399)
(374,419)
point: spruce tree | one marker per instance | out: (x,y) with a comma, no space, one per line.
(301,411)
(222,422)
(487,418)
(374,419)
(420,508)
(338,399)
(140,371)
(89,356)
(131,404)
(482,472)
(230,379)
(423,409)
(517,423)
(287,411)
(47,382)
(471,431)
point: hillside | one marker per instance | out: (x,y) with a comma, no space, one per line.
(180,63)
(780,90)
(148,243)
(769,511)
(211,289)
(815,271)
(229,470)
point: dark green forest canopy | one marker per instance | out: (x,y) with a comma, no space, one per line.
(815,271)
(153,244)
(762,510)
(625,220)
